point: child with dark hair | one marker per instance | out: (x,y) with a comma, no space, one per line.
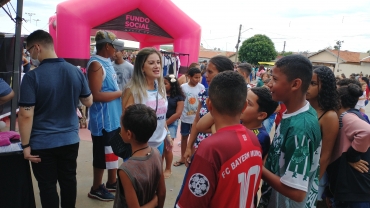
(184,77)
(140,178)
(346,82)
(191,91)
(348,171)
(175,98)
(260,106)
(245,70)
(323,97)
(291,168)
(219,177)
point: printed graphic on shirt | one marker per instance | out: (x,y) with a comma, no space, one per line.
(198,184)
(191,104)
(294,156)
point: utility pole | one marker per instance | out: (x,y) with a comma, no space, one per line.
(237,43)
(30,14)
(36,20)
(283,49)
(339,45)
(18,47)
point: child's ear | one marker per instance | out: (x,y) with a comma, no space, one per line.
(129,134)
(296,84)
(209,104)
(262,116)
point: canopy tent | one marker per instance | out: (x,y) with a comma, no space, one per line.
(151,23)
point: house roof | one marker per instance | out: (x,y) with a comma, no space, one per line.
(366,59)
(348,56)
(211,53)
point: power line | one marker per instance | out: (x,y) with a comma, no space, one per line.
(222,37)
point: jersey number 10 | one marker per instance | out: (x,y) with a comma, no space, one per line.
(245,185)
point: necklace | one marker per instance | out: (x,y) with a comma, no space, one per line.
(139,150)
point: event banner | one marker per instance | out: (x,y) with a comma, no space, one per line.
(134,21)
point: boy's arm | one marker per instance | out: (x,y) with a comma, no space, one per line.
(205,123)
(274,181)
(199,185)
(130,194)
(161,192)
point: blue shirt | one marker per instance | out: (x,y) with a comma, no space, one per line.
(264,139)
(54,88)
(204,81)
(4,88)
(105,115)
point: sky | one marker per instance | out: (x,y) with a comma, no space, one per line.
(303,25)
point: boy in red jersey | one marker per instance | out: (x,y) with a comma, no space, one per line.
(226,168)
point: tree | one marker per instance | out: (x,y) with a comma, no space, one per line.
(257,48)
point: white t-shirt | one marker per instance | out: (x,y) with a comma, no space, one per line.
(151,101)
(361,103)
(191,102)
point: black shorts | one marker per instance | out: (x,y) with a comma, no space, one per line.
(103,156)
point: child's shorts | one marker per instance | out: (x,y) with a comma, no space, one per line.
(185,129)
(103,156)
(173,129)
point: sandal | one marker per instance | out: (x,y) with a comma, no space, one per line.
(178,163)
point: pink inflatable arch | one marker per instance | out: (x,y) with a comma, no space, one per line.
(151,23)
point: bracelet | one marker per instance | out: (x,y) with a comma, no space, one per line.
(25,146)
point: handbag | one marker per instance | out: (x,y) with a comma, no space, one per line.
(119,147)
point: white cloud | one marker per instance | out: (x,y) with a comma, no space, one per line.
(304,25)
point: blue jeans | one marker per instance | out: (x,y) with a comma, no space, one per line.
(269,122)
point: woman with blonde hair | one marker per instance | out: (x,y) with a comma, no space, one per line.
(147,87)
(104,114)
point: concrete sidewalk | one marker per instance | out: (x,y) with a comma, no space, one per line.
(85,177)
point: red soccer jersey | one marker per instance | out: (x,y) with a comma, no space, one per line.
(225,171)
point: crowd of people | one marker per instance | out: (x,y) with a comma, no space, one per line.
(319,155)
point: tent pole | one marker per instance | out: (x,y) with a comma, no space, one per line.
(16,65)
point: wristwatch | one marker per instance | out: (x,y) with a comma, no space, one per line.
(25,146)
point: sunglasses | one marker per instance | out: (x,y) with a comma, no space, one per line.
(28,51)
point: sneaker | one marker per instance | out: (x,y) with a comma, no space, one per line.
(101,194)
(111,187)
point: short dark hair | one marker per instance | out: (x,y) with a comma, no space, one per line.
(141,120)
(349,95)
(40,37)
(265,101)
(296,67)
(228,93)
(193,71)
(347,81)
(246,68)
(222,63)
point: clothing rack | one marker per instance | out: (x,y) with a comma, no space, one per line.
(164,53)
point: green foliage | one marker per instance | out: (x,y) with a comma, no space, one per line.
(257,48)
